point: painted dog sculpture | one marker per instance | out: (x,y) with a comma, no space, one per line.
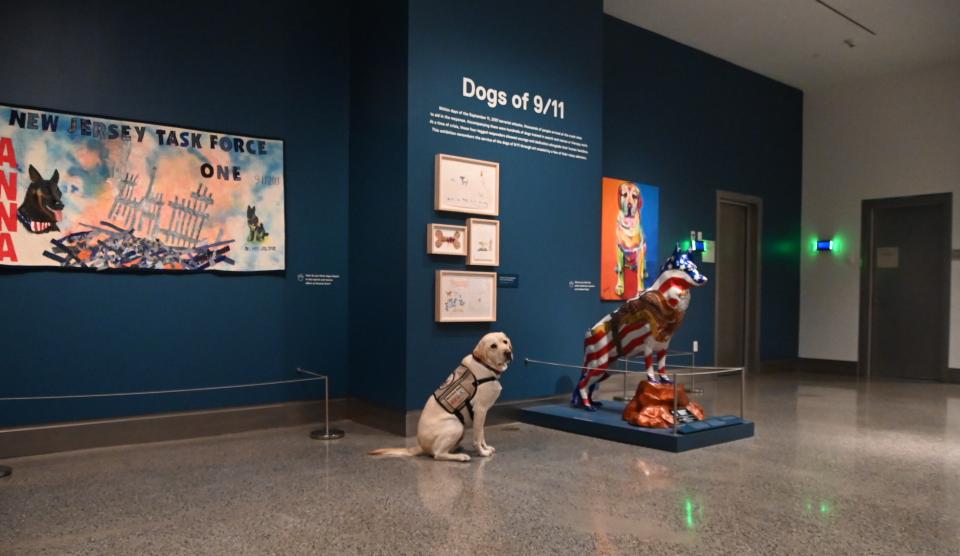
(644,324)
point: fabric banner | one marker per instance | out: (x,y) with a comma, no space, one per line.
(88,192)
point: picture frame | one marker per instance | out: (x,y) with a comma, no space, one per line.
(466,185)
(465,296)
(447,239)
(483,237)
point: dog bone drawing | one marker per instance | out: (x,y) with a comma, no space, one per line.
(441,239)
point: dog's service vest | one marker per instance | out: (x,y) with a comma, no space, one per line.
(457,392)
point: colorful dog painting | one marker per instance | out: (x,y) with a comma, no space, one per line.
(629,237)
(631,248)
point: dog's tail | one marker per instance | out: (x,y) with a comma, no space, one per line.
(397,452)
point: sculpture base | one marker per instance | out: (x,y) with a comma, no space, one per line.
(652,405)
(607,423)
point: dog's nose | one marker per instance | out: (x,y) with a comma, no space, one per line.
(509,354)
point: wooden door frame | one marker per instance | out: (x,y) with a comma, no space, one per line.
(751,336)
(867,250)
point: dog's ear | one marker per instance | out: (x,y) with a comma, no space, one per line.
(478,351)
(55,178)
(34,174)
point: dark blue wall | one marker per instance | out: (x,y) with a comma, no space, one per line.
(378,162)
(671,116)
(549,206)
(650,109)
(691,124)
(225,66)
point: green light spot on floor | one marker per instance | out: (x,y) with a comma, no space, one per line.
(688,508)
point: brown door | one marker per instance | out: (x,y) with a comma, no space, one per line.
(737,281)
(907,261)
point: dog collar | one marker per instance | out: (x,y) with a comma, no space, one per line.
(495,371)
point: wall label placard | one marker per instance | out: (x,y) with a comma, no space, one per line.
(581,285)
(508,280)
(888,257)
(310,279)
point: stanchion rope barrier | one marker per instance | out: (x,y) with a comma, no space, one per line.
(324,434)
(154,392)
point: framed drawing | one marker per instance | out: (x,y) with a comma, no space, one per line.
(446,239)
(464,296)
(484,240)
(466,185)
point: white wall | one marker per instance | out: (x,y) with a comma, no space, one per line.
(892,136)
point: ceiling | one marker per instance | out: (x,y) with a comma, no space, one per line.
(802,42)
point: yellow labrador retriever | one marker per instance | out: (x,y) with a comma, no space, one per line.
(467,394)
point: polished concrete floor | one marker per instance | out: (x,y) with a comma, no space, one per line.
(836,467)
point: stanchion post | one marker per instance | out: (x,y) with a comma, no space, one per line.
(626,367)
(327,433)
(5,471)
(693,379)
(676,421)
(743,388)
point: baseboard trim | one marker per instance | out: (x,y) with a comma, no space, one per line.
(819,366)
(386,419)
(99,433)
(79,435)
(953,376)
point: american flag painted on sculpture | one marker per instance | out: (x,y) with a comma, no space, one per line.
(642,325)
(600,346)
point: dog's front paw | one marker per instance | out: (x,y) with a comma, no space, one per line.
(489,447)
(484,451)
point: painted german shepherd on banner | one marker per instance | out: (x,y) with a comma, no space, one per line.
(42,206)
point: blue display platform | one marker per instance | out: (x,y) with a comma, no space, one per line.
(607,423)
